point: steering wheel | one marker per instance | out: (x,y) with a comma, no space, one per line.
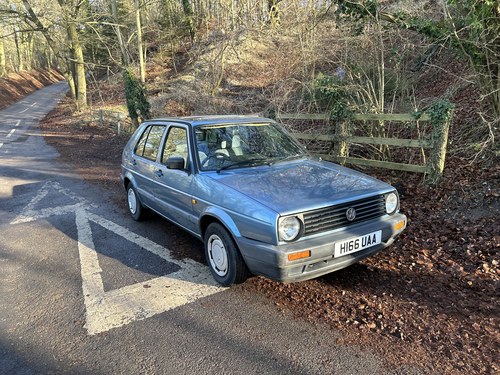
(219,155)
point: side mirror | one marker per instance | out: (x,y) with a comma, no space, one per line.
(176,162)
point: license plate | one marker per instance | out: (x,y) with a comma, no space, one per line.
(354,244)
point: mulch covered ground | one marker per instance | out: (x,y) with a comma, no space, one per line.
(431,299)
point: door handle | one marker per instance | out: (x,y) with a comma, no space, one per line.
(159,173)
(134,162)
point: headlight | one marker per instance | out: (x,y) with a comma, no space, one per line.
(391,203)
(289,228)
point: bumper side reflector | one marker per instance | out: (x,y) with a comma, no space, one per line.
(399,225)
(299,255)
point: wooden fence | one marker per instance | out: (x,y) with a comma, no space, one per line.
(117,120)
(433,168)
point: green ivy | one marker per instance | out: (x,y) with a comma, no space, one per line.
(331,93)
(440,113)
(135,94)
(417,114)
(358,13)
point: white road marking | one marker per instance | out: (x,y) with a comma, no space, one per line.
(17,123)
(29,214)
(10,133)
(1,144)
(24,110)
(115,308)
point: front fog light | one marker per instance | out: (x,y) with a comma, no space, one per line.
(289,228)
(391,203)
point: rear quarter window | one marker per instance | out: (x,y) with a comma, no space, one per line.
(149,142)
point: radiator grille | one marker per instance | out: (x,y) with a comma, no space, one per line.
(328,218)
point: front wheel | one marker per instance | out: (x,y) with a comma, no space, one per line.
(223,257)
(134,204)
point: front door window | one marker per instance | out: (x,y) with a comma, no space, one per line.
(176,144)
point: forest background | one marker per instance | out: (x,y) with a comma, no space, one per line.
(244,56)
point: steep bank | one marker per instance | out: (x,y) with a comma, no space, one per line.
(17,85)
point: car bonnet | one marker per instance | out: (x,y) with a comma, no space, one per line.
(303,185)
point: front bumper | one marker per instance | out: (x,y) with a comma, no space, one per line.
(272,260)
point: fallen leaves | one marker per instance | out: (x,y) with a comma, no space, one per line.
(436,288)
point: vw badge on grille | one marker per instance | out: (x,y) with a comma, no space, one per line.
(350,214)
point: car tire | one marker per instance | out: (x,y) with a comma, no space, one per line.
(223,257)
(135,207)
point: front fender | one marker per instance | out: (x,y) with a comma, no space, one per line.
(222,216)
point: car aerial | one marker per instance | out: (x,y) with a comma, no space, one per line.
(259,202)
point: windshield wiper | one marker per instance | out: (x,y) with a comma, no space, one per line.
(244,163)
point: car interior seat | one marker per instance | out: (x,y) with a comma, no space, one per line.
(236,145)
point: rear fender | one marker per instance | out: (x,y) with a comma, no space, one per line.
(127,177)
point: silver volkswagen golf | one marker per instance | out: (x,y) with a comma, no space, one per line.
(258,201)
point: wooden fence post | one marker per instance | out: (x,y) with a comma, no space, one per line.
(438,152)
(101,117)
(340,136)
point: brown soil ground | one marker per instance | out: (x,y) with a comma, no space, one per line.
(431,299)
(17,85)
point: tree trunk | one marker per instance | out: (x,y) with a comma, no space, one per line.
(71,83)
(2,58)
(20,52)
(30,62)
(139,41)
(81,81)
(117,28)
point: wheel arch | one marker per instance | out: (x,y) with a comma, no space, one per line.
(128,178)
(236,268)
(215,215)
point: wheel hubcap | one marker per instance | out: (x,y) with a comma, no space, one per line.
(132,201)
(217,255)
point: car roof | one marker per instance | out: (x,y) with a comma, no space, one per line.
(213,119)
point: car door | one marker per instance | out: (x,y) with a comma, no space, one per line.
(144,163)
(174,186)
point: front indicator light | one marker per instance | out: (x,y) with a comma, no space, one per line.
(299,255)
(399,225)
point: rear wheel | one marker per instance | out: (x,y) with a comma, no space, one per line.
(223,257)
(134,204)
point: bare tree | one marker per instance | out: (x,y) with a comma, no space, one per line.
(142,67)
(71,10)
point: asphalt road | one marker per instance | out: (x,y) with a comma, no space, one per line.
(86,290)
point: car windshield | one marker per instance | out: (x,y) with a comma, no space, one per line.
(227,146)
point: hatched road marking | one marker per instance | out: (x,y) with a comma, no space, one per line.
(118,307)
